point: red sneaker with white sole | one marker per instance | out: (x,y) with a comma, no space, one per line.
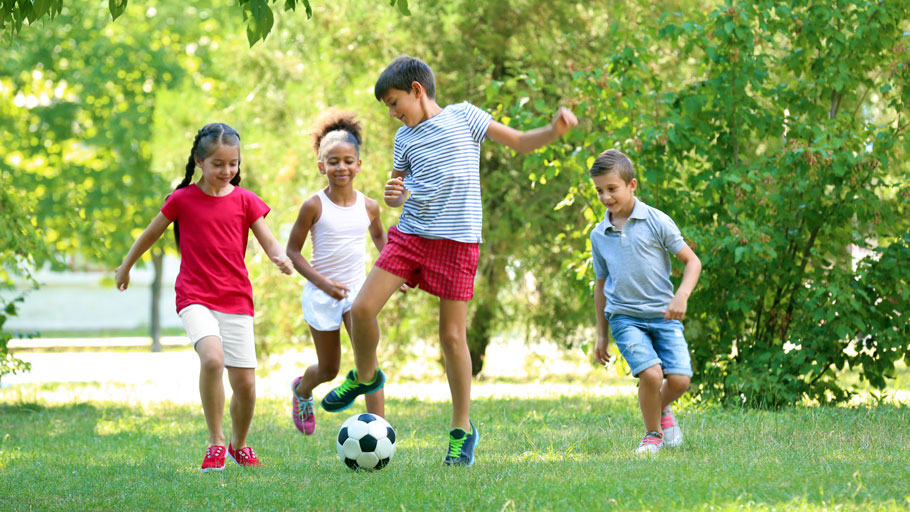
(214,459)
(244,457)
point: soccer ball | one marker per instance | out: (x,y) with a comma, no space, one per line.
(365,441)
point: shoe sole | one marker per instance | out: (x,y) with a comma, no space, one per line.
(476,442)
(206,470)
(673,437)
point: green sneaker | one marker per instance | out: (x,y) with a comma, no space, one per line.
(344,395)
(461,446)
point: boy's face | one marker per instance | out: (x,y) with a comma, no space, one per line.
(405,106)
(614,193)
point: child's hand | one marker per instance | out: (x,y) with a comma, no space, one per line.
(122,276)
(335,289)
(404,288)
(563,121)
(284,264)
(394,188)
(600,351)
(677,309)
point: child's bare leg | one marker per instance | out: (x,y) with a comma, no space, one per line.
(211,386)
(649,397)
(375,401)
(673,388)
(375,292)
(454,339)
(243,403)
(328,359)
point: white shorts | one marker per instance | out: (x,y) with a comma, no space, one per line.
(321,311)
(234,331)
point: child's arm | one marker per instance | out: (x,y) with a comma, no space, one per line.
(395,194)
(376,232)
(677,308)
(271,246)
(309,214)
(603,327)
(145,241)
(525,142)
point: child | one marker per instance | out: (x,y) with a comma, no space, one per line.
(436,243)
(337,216)
(634,296)
(214,295)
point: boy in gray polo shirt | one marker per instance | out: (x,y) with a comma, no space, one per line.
(634,297)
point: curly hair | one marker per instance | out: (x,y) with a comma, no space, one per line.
(334,126)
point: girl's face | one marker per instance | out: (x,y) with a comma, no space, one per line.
(340,164)
(220,167)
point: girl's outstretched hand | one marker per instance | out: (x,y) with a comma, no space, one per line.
(284,264)
(122,276)
(563,121)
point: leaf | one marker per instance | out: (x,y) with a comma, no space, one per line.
(402,7)
(116,7)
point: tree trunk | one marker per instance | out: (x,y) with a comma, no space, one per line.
(155,321)
(479,331)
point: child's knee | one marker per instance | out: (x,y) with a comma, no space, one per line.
(212,362)
(652,376)
(679,382)
(326,372)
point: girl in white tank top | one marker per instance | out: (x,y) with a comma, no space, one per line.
(338,218)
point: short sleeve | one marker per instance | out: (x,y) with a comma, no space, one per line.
(670,237)
(478,121)
(255,208)
(600,265)
(169,209)
(399,162)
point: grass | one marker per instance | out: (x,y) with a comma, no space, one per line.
(572,453)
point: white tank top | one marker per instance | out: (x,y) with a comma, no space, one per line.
(339,241)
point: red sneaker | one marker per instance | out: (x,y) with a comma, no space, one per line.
(245,456)
(214,459)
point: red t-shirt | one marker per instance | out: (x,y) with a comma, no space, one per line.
(213,238)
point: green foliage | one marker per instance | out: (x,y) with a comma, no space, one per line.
(778,144)
(257,14)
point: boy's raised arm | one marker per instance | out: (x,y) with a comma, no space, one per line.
(525,142)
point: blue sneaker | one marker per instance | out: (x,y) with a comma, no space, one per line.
(344,395)
(461,446)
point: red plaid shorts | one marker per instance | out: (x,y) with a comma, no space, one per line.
(444,268)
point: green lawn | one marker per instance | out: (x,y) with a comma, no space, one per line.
(569,454)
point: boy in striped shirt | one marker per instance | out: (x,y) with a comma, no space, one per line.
(436,177)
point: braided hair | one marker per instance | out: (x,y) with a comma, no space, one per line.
(334,126)
(208,138)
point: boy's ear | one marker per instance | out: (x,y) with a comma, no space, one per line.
(417,88)
(633,184)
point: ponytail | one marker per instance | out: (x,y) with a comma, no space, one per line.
(203,145)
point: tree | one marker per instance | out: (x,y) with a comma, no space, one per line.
(257,14)
(785,150)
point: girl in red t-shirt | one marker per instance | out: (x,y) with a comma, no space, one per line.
(214,295)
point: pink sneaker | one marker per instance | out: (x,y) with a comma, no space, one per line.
(302,410)
(651,443)
(672,433)
(244,457)
(214,459)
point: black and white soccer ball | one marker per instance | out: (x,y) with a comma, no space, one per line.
(365,441)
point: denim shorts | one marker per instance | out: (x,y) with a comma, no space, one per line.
(645,342)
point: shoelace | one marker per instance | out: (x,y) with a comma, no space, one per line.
(307,409)
(345,386)
(651,438)
(455,446)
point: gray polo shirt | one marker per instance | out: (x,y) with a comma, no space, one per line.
(635,262)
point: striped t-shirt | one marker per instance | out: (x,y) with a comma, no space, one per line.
(441,159)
